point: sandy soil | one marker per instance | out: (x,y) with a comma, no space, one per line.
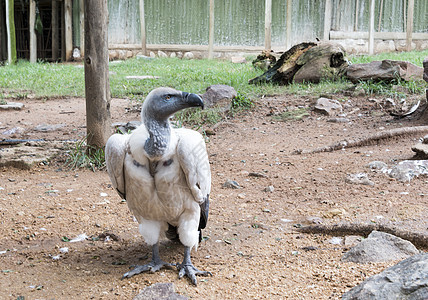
(252,246)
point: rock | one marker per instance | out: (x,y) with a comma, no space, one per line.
(421,150)
(141,56)
(14,130)
(238,60)
(113,55)
(12,106)
(188,55)
(406,170)
(152,54)
(359,178)
(180,54)
(122,54)
(406,280)
(257,174)
(25,157)
(159,291)
(380,247)
(162,54)
(172,55)
(231,184)
(269,189)
(334,212)
(352,240)
(338,120)
(385,70)
(377,165)
(219,96)
(327,106)
(129,54)
(46,127)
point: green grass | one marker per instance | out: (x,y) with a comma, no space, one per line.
(415,57)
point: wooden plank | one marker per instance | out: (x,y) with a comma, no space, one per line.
(55,31)
(288,24)
(68,14)
(268,24)
(371,27)
(211,31)
(143,28)
(327,20)
(82,27)
(10,27)
(409,27)
(32,32)
(364,35)
(199,48)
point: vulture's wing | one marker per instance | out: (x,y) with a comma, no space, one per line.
(193,158)
(115,152)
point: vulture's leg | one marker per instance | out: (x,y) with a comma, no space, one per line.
(187,268)
(155,265)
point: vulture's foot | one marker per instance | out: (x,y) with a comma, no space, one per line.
(155,265)
(188,269)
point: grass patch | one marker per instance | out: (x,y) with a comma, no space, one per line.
(292,115)
(85,156)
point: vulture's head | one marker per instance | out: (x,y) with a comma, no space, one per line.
(163,102)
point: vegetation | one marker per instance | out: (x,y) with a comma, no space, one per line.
(45,80)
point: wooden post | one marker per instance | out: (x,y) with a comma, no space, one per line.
(82,27)
(268,24)
(211,31)
(371,27)
(68,14)
(288,24)
(3,48)
(356,15)
(143,28)
(55,30)
(10,27)
(380,16)
(327,20)
(32,33)
(97,88)
(409,27)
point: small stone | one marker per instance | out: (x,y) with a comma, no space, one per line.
(327,106)
(188,55)
(238,60)
(334,212)
(338,120)
(143,77)
(231,184)
(377,165)
(352,240)
(336,240)
(257,174)
(360,178)
(162,54)
(12,106)
(269,189)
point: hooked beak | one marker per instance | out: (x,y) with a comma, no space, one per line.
(193,100)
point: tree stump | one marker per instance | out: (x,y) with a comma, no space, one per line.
(307,62)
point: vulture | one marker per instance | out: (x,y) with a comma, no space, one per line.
(164,175)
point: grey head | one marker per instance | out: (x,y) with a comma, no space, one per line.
(159,106)
(163,102)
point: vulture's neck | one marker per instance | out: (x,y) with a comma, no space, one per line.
(159,137)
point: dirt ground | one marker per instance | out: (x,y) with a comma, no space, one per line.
(252,248)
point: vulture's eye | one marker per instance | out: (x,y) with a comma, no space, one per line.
(167,97)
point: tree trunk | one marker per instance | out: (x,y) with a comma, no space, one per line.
(97,88)
(11,38)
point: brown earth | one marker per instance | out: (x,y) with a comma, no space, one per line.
(252,246)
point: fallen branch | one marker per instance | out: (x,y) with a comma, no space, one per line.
(349,143)
(417,238)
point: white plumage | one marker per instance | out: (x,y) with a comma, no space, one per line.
(164,175)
